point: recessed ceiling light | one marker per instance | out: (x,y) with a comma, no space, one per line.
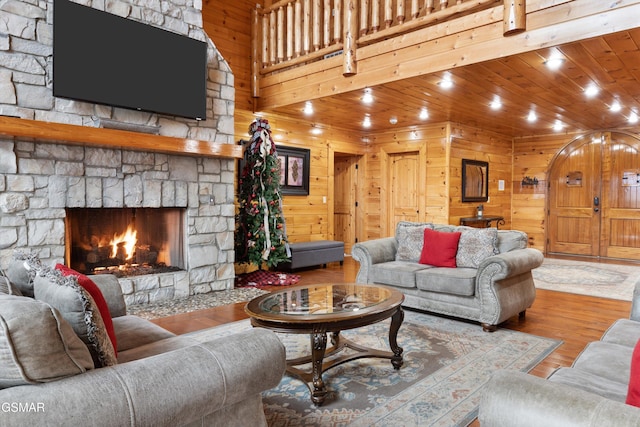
(591,90)
(446,82)
(554,63)
(366,123)
(532,116)
(393,120)
(316,130)
(633,117)
(424,114)
(496,104)
(308,108)
(557,126)
(615,107)
(367,98)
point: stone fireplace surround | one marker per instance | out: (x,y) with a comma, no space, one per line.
(40,178)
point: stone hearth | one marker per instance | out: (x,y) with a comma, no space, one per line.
(39,179)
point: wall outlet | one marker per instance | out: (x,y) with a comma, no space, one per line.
(501,185)
(324,199)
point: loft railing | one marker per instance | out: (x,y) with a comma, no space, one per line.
(294,32)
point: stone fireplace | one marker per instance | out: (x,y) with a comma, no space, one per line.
(44,180)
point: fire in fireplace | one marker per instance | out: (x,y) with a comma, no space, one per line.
(126,241)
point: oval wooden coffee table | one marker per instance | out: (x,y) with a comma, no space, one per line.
(319,309)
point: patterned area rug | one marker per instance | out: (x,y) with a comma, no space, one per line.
(446,364)
(587,278)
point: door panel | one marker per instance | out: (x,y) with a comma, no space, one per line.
(403,197)
(574,185)
(621,198)
(344,208)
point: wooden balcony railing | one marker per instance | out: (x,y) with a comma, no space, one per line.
(294,32)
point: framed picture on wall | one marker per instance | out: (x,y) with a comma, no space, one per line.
(294,170)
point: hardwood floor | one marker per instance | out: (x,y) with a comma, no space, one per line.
(574,319)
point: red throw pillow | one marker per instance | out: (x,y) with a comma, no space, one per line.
(440,248)
(633,394)
(97,296)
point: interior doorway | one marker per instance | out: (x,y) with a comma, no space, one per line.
(594,197)
(347,221)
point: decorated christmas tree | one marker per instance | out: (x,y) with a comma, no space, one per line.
(260,228)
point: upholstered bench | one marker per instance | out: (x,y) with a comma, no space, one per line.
(316,252)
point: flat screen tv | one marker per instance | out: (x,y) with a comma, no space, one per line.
(102,58)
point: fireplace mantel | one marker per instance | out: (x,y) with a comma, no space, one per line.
(113,138)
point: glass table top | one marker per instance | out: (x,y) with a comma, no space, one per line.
(324,299)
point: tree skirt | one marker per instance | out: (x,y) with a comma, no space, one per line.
(266,278)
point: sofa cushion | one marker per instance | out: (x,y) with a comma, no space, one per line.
(439,248)
(19,274)
(456,281)
(95,292)
(476,245)
(591,382)
(624,332)
(397,273)
(36,344)
(134,331)
(611,361)
(633,393)
(8,288)
(79,309)
(410,238)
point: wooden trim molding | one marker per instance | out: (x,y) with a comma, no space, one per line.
(113,138)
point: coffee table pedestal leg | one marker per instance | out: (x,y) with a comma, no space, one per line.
(396,322)
(318,347)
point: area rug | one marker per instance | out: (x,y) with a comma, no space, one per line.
(193,303)
(446,364)
(266,278)
(587,278)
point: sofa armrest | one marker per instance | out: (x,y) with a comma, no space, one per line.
(112,292)
(514,398)
(373,252)
(174,388)
(635,303)
(512,263)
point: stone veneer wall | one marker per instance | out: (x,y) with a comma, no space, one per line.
(38,180)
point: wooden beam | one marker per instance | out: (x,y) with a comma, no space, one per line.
(111,138)
(450,45)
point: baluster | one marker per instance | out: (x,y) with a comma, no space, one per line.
(415,8)
(337,21)
(289,31)
(400,11)
(255,51)
(364,16)
(375,15)
(297,29)
(306,22)
(316,24)
(388,13)
(265,40)
(443,4)
(428,6)
(280,34)
(350,30)
(326,33)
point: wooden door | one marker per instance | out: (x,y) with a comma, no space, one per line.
(621,197)
(345,209)
(574,192)
(403,187)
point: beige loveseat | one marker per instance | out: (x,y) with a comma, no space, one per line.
(592,392)
(492,282)
(48,374)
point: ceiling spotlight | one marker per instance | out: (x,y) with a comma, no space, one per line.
(315,130)
(308,108)
(393,120)
(495,104)
(532,116)
(633,117)
(554,63)
(366,123)
(424,114)
(367,98)
(615,107)
(591,90)
(557,126)
(446,82)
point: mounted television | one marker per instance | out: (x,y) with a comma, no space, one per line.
(102,58)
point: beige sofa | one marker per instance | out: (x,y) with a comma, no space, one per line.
(592,392)
(48,376)
(492,282)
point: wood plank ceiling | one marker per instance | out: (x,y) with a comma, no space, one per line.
(522,83)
